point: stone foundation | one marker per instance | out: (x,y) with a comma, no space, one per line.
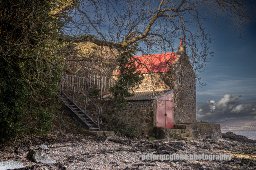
(206,130)
(136,119)
(192,131)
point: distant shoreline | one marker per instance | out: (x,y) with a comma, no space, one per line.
(251,134)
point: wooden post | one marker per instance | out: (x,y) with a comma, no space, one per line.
(79,84)
(83,84)
(94,80)
(101,87)
(97,83)
(73,88)
(70,82)
(90,81)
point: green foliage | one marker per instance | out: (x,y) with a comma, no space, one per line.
(128,76)
(12,92)
(30,66)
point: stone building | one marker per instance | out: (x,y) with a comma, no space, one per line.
(166,97)
(165,100)
(171,73)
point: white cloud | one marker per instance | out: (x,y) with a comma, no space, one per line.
(212,102)
(224,101)
(227,107)
(227,102)
(238,108)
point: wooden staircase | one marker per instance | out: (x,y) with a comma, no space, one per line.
(81,115)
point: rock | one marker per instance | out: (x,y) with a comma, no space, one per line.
(240,138)
(125,161)
(114,163)
(204,167)
(208,146)
(39,157)
(119,140)
(142,164)
(126,153)
(56,166)
(4,165)
(44,147)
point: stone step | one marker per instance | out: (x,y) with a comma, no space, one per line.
(179,133)
(182,126)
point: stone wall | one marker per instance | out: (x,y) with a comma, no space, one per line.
(135,119)
(151,82)
(206,130)
(185,92)
(83,57)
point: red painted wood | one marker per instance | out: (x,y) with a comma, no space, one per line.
(160,114)
(169,114)
(164,112)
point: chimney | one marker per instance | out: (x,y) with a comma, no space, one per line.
(182,48)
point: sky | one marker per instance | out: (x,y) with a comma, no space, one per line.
(230,76)
(232,69)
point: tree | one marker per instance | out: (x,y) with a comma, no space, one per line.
(30,65)
(151,26)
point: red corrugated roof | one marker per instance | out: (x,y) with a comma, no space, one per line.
(155,63)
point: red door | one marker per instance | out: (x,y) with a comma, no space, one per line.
(164,113)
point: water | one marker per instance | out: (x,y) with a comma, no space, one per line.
(244,127)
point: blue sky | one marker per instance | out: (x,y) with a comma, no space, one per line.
(232,69)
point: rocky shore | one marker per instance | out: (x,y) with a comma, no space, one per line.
(71,151)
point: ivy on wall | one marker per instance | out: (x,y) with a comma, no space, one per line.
(128,76)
